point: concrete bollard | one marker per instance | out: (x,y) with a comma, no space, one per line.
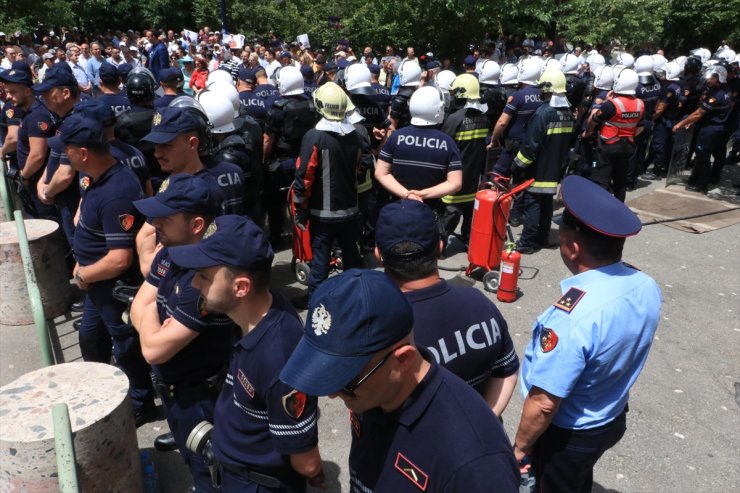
(102,419)
(49,264)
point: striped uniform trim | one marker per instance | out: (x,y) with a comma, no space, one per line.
(480,133)
(254,413)
(458,199)
(560,130)
(296,429)
(420,164)
(356,486)
(501,362)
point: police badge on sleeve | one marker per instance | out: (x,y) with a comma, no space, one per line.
(294,403)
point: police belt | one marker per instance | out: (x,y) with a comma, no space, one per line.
(253,476)
(207,389)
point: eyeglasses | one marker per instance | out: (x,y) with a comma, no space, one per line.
(349,390)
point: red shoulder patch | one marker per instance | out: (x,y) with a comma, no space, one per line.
(126,221)
(511,98)
(412,472)
(548,340)
(9,113)
(294,403)
(43,126)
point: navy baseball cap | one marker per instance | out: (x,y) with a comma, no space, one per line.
(406,220)
(284,54)
(469,61)
(330,66)
(182,193)
(60,75)
(351,317)
(306,71)
(592,209)
(96,110)
(170,74)
(234,241)
(374,68)
(433,64)
(79,131)
(108,73)
(248,75)
(342,63)
(124,69)
(169,122)
(19,73)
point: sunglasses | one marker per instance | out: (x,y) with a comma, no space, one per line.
(349,390)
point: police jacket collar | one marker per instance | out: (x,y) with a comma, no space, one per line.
(118,166)
(253,338)
(594,275)
(432,291)
(418,402)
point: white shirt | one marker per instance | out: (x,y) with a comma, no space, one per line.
(270,69)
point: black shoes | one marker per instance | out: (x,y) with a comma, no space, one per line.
(515,221)
(77,324)
(696,188)
(77,307)
(145,414)
(165,443)
(526,250)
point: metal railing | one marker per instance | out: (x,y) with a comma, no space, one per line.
(63,442)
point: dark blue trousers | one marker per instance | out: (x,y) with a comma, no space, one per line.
(711,142)
(323,235)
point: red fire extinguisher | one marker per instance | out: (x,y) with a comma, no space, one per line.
(510,260)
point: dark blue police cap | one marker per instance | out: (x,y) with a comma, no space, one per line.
(19,73)
(169,122)
(374,68)
(124,69)
(342,63)
(247,75)
(182,193)
(433,64)
(330,66)
(108,73)
(406,220)
(78,131)
(233,241)
(96,110)
(469,61)
(60,75)
(285,54)
(351,317)
(306,71)
(170,74)
(590,208)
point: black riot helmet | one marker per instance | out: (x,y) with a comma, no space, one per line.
(692,66)
(140,86)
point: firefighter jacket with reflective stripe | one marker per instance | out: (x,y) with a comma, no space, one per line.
(469,128)
(545,147)
(326,174)
(629,112)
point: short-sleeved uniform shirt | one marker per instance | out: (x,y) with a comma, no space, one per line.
(254,105)
(117,102)
(671,95)
(164,100)
(207,354)
(38,122)
(108,218)
(132,158)
(230,179)
(70,196)
(260,421)
(464,331)
(649,93)
(444,438)
(267,92)
(717,103)
(421,157)
(521,106)
(590,346)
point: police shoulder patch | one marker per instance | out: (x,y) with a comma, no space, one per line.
(43,126)
(569,300)
(411,472)
(548,340)
(9,113)
(294,403)
(712,100)
(686,92)
(85,183)
(511,98)
(126,221)
(669,94)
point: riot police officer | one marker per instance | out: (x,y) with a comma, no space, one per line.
(409,76)
(648,90)
(667,114)
(110,80)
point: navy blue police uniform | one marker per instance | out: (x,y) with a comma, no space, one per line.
(253,103)
(663,129)
(399,108)
(589,157)
(648,90)
(398,450)
(259,421)
(10,116)
(107,221)
(189,382)
(117,101)
(712,136)
(589,347)
(520,107)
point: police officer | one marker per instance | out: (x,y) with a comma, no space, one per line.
(541,156)
(648,90)
(587,349)
(409,77)
(169,79)
(420,161)
(492,92)
(691,85)
(325,186)
(667,114)
(383,97)
(621,118)
(266,432)
(468,126)
(187,346)
(252,103)
(460,326)
(575,86)
(401,401)
(357,81)
(288,120)
(110,80)
(104,250)
(264,89)
(309,86)
(711,141)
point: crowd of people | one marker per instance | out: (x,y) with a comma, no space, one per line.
(172,161)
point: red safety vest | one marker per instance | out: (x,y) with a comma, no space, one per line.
(623,123)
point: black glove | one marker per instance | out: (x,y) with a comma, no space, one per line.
(13,174)
(517,175)
(301,218)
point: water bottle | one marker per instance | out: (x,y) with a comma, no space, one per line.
(526,478)
(148,474)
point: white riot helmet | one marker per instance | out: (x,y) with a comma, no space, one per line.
(551,64)
(659,62)
(289,80)
(219,110)
(219,75)
(230,92)
(626,81)
(626,60)
(604,78)
(595,60)
(427,106)
(727,55)
(672,71)
(719,71)
(702,53)
(509,74)
(644,65)
(357,79)
(530,70)
(681,61)
(490,72)
(569,63)
(444,79)
(409,74)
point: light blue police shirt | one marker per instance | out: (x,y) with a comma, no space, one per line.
(596,345)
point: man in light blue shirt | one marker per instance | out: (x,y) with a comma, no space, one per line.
(83,81)
(589,347)
(92,69)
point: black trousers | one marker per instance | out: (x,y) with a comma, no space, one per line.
(611,171)
(563,460)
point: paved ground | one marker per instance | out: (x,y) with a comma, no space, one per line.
(684,421)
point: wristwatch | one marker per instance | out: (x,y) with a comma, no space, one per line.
(78,277)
